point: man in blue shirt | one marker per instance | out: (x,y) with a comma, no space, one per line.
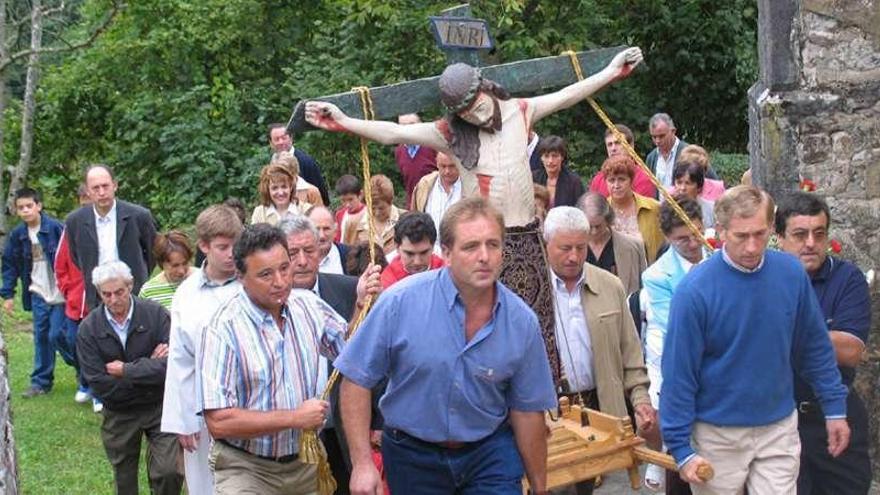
(738,324)
(468,376)
(802,222)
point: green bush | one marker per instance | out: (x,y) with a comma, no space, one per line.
(730,166)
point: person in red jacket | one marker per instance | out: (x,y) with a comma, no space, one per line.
(69,280)
(641,183)
(414,235)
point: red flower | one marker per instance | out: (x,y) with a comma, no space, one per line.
(836,248)
(715,243)
(807,185)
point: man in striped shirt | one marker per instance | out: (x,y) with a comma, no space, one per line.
(260,372)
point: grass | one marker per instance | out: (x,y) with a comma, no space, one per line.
(58,441)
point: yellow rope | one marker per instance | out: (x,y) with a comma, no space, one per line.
(635,156)
(311,450)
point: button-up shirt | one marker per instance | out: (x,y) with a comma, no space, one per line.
(106,229)
(439,201)
(249,363)
(573,336)
(442,387)
(121,329)
(193,305)
(332,263)
(666,164)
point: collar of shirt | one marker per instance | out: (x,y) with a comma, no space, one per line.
(120,327)
(560,286)
(687,265)
(259,316)
(204,281)
(450,291)
(824,271)
(671,157)
(109,217)
(456,188)
(412,149)
(739,267)
(317,288)
(332,262)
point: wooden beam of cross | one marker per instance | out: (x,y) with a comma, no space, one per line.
(523,77)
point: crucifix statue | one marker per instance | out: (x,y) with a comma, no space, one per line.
(487,132)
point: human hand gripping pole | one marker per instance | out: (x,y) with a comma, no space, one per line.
(310,449)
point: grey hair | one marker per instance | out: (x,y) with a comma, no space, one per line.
(565,219)
(111,270)
(297,225)
(661,117)
(594,204)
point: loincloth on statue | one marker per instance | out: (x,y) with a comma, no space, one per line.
(524,271)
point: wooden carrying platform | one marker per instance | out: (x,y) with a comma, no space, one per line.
(576,452)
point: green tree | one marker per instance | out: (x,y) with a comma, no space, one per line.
(177,94)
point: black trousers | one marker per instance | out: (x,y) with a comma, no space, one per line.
(122,432)
(339,468)
(848,474)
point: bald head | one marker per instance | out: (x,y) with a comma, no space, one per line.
(326,225)
(101,187)
(408,118)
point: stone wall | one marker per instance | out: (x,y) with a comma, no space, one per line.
(8,465)
(815,114)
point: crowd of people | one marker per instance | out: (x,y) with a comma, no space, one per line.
(500,285)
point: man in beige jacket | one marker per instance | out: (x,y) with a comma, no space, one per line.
(602,363)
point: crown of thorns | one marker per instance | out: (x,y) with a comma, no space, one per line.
(459,85)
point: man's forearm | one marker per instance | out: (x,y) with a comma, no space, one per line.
(848,349)
(355,408)
(243,423)
(530,433)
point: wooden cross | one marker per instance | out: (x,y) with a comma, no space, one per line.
(524,77)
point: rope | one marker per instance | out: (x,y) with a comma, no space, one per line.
(311,450)
(635,156)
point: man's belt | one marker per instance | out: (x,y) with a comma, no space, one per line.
(448,445)
(584,398)
(285,459)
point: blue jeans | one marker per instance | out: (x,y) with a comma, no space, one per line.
(66,346)
(48,324)
(491,465)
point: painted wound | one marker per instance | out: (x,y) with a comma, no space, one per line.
(484,182)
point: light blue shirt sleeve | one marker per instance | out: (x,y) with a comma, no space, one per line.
(531,388)
(215,374)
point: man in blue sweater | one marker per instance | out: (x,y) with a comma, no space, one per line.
(802,222)
(739,323)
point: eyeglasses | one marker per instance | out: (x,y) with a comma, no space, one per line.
(819,235)
(685,241)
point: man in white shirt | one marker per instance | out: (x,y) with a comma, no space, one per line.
(600,352)
(110,230)
(196,300)
(439,190)
(661,159)
(332,253)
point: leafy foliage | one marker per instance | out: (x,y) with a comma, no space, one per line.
(176,96)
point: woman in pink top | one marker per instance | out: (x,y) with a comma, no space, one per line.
(712,188)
